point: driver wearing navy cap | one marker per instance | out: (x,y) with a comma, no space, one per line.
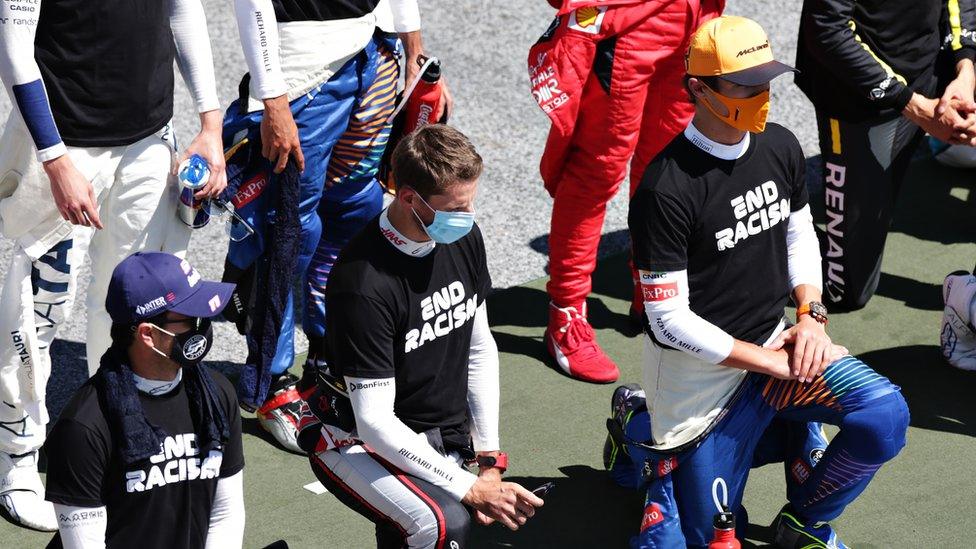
(148,451)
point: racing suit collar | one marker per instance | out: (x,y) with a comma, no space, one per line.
(156,387)
(402,243)
(714,148)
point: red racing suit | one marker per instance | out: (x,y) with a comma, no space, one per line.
(609,76)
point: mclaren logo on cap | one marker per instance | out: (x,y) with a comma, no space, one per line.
(753,49)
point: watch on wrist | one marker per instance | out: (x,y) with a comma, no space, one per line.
(498,462)
(815,309)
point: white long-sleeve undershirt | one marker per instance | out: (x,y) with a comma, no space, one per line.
(18,68)
(674,323)
(483,384)
(194,56)
(227,514)
(258,29)
(81,527)
(406,15)
(803,250)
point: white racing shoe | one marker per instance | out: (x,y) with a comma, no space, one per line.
(280,414)
(22,493)
(958,335)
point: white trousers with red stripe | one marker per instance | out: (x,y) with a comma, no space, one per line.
(407,511)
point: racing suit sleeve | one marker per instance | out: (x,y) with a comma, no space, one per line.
(194,56)
(962,25)
(406,15)
(372,402)
(483,384)
(227,513)
(830,35)
(22,77)
(259,39)
(81,527)
(803,250)
(674,323)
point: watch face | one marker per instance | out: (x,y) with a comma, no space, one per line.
(818,311)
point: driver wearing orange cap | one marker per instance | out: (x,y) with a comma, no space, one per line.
(722,238)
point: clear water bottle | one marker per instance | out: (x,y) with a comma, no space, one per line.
(194,173)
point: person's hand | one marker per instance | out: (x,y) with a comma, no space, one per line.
(506,502)
(777,364)
(447,103)
(447,100)
(837,352)
(210,145)
(73,194)
(953,126)
(490,474)
(811,348)
(279,135)
(960,91)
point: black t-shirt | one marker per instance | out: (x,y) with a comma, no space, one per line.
(160,503)
(392,315)
(725,222)
(321,10)
(108,68)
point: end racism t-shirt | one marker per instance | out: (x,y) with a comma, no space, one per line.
(409,318)
(725,222)
(161,502)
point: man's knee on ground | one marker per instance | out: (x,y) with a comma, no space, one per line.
(878,428)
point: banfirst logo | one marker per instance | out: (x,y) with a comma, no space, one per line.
(442,311)
(753,49)
(757,210)
(177,461)
(834,208)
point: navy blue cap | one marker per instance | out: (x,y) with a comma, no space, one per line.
(147,284)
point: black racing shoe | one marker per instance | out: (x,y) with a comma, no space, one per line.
(791,533)
(625,400)
(281,412)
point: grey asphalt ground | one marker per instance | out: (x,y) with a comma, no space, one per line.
(483,45)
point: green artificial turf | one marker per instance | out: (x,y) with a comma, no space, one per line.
(553,427)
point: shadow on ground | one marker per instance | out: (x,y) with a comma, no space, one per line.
(938,395)
(585,509)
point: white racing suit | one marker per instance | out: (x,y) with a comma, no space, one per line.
(136,198)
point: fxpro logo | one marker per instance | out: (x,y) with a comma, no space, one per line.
(659,292)
(753,49)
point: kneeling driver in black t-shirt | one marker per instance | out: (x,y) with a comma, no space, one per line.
(409,343)
(148,452)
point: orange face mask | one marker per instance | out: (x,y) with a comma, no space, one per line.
(747,114)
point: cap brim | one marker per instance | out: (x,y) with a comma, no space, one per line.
(758,75)
(207,301)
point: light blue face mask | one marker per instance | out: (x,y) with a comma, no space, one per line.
(447,226)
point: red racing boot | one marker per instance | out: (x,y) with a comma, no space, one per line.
(572,342)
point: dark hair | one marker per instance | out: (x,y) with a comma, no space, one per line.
(433,158)
(710,81)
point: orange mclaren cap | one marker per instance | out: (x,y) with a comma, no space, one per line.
(735,48)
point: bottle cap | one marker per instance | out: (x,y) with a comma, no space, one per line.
(724,520)
(194,172)
(433,72)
